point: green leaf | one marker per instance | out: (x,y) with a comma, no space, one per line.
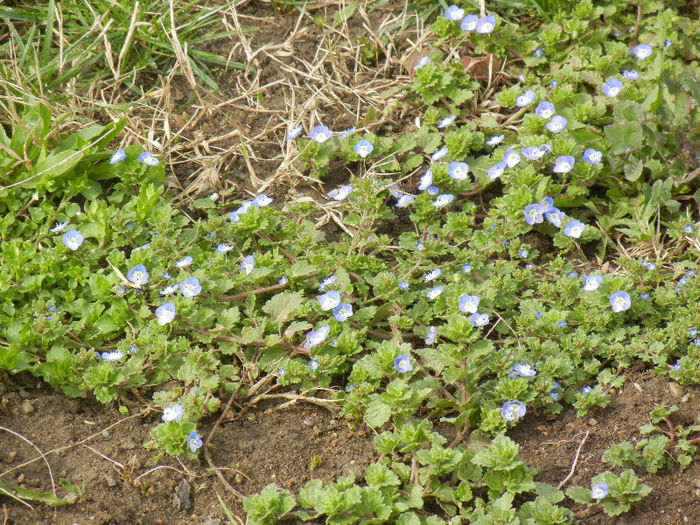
(579,494)
(377,413)
(283,305)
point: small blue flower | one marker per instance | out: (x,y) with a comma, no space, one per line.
(523,253)
(223,248)
(620,301)
(316,337)
(261,201)
(313,364)
(668,43)
(553,83)
(320,134)
(572,275)
(424,61)
(495,140)
(555,394)
(117,156)
(466,268)
(325,283)
(443,200)
(404,201)
(341,193)
(446,121)
(486,24)
(642,51)
(538,53)
(692,332)
(688,228)
(165,313)
(512,410)
(454,13)
(676,366)
(458,170)
(342,312)
(525,99)
(599,491)
(592,156)
(469,23)
(574,228)
(591,282)
(345,134)
(190,287)
(166,275)
(363,148)
(138,275)
(294,133)
(562,324)
(433,190)
(60,226)
(112,356)
(432,275)
(329,300)
(148,159)
(432,335)
(404,285)
(555,217)
(548,204)
(479,320)
(612,87)
(538,314)
(439,154)
(511,157)
(73,239)
(644,297)
(133,349)
(172,413)
(630,74)
(433,293)
(420,246)
(184,262)
(425,181)
(403,364)
(468,304)
(283,280)
(532,153)
(281,372)
(533,213)
(524,370)
(169,289)
(557,124)
(586,389)
(496,170)
(194,441)
(247,265)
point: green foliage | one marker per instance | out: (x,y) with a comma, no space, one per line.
(269,506)
(623,490)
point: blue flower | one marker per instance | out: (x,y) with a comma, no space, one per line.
(692,332)
(320,134)
(538,314)
(432,275)
(426,180)
(688,228)
(433,293)
(642,51)
(525,99)
(468,304)
(599,490)
(442,152)
(592,156)
(511,157)
(557,124)
(574,228)
(166,275)
(555,394)
(363,148)
(341,193)
(345,134)
(479,320)
(446,121)
(523,253)
(185,261)
(281,372)
(313,364)
(533,213)
(325,283)
(524,370)
(496,170)
(165,313)
(454,13)
(404,285)
(548,204)
(668,43)
(486,24)
(572,275)
(630,74)
(533,153)
(172,413)
(563,164)
(620,301)
(316,337)
(329,300)
(138,275)
(404,201)
(194,441)
(420,246)
(591,282)
(554,217)
(223,248)
(283,280)
(644,297)
(432,335)
(458,170)
(112,356)
(261,200)
(403,364)
(443,200)
(73,239)
(562,324)
(538,53)
(469,23)
(342,312)
(612,87)
(294,133)
(466,268)
(676,366)
(148,159)
(495,140)
(247,265)
(424,61)
(117,156)
(512,410)
(586,389)
(190,287)
(59,227)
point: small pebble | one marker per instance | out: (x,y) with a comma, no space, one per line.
(592,422)
(27,407)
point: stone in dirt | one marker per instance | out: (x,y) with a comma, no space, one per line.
(181,496)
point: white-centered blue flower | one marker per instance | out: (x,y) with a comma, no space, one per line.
(591,282)
(224,248)
(630,74)
(433,190)
(404,285)
(316,337)
(446,121)
(538,53)
(512,410)
(642,51)
(138,275)
(454,13)
(443,200)
(495,140)
(574,228)
(420,246)
(486,24)
(496,170)
(433,293)
(404,201)
(403,364)
(190,287)
(148,159)
(170,289)
(426,180)
(599,491)
(620,301)
(555,217)
(432,275)
(511,158)
(688,228)
(612,87)
(479,320)
(592,156)
(165,313)
(469,23)
(547,204)
(468,303)
(294,133)
(363,148)
(172,413)
(545,110)
(439,154)
(247,265)
(466,268)
(73,239)
(524,370)
(313,364)
(112,356)
(117,156)
(342,312)
(557,124)
(329,300)
(458,170)
(532,153)
(424,61)
(523,253)
(525,99)
(320,133)
(325,283)
(432,335)
(60,226)
(261,201)
(534,213)
(194,441)
(184,262)
(564,164)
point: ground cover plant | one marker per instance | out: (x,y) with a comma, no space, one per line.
(513,248)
